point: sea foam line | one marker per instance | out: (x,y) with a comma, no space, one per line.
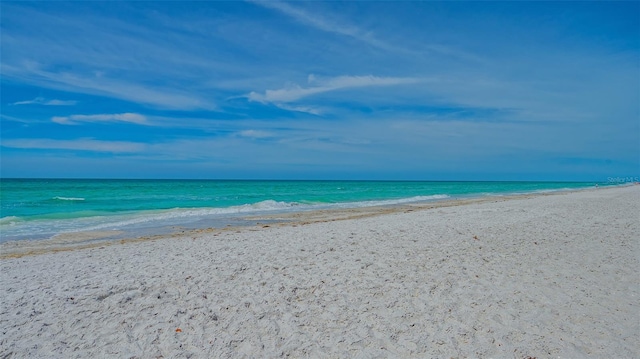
(69,198)
(195,214)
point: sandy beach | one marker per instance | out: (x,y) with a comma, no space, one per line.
(540,276)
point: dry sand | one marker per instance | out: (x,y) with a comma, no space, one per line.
(552,276)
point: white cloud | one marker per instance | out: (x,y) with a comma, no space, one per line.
(45,102)
(83,144)
(296,92)
(116,117)
(306,109)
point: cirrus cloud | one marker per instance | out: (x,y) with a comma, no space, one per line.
(45,102)
(116,117)
(320,85)
(82,144)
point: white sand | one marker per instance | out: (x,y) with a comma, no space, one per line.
(547,277)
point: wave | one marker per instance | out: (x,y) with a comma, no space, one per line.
(10,220)
(68,198)
(184,215)
(179,215)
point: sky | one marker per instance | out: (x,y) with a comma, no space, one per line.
(379,90)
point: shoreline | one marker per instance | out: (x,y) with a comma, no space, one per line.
(74,214)
(537,276)
(68,241)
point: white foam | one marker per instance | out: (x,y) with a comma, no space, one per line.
(184,215)
(69,198)
(10,220)
(190,215)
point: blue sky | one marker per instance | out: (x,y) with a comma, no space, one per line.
(321,90)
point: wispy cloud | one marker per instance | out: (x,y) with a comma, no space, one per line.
(83,144)
(102,55)
(319,85)
(99,84)
(116,117)
(255,134)
(45,102)
(335,25)
(22,120)
(325,23)
(305,109)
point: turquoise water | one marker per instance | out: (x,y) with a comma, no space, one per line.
(41,208)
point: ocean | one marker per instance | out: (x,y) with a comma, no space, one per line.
(38,209)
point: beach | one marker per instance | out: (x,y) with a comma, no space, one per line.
(530,276)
